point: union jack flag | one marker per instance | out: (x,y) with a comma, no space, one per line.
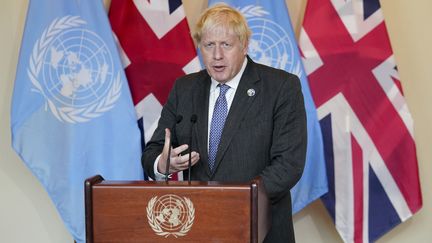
(367,128)
(156,49)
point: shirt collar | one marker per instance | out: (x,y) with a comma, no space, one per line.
(234,82)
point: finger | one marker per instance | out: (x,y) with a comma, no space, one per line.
(177,163)
(194,155)
(164,156)
(178,150)
(167,142)
(183,159)
(182,162)
(195,158)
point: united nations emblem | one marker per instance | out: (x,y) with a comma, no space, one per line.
(170,215)
(72,68)
(270,44)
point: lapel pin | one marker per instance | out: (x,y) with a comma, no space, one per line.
(251,92)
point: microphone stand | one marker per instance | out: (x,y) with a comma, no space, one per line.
(168,160)
(193,121)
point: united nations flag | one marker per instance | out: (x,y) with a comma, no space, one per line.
(72,112)
(273,43)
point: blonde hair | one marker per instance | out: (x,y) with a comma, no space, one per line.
(222,15)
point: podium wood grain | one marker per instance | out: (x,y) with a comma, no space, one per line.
(223,212)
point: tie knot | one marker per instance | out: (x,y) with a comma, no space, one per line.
(223,89)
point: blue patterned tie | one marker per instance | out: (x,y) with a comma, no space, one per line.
(220,113)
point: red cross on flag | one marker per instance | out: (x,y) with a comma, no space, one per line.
(367,128)
(156,49)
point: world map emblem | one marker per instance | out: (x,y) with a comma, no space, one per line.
(72,68)
(170,215)
(270,44)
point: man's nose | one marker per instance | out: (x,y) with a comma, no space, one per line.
(218,52)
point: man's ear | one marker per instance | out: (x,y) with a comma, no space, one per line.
(245,47)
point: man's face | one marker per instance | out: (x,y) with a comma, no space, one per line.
(223,53)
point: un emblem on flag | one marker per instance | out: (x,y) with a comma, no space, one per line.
(269,44)
(170,215)
(72,68)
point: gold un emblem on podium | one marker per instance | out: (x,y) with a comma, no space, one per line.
(170,215)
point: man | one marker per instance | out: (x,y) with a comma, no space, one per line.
(250,119)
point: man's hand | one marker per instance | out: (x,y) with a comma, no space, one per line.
(178,162)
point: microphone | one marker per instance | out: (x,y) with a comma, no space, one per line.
(179,118)
(193,120)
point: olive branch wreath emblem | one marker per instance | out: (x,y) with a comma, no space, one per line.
(251,11)
(67,113)
(158,229)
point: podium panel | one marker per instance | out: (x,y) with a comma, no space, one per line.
(148,211)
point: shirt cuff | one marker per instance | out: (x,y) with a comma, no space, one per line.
(158,176)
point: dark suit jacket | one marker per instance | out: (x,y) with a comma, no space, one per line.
(264,134)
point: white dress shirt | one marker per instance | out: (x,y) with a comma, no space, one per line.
(214,94)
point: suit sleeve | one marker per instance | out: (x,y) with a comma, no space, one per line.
(154,147)
(289,140)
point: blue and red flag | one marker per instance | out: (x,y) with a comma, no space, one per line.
(273,43)
(367,128)
(156,49)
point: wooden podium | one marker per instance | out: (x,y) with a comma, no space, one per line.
(148,211)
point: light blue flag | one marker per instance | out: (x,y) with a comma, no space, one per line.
(72,112)
(273,43)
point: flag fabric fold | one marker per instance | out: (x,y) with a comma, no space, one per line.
(273,43)
(72,115)
(157,49)
(367,128)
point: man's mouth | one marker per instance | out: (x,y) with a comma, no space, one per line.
(218,68)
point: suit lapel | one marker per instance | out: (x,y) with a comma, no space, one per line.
(239,108)
(201,107)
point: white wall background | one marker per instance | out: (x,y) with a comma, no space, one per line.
(28,215)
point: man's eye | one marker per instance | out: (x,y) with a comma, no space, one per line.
(226,45)
(209,45)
